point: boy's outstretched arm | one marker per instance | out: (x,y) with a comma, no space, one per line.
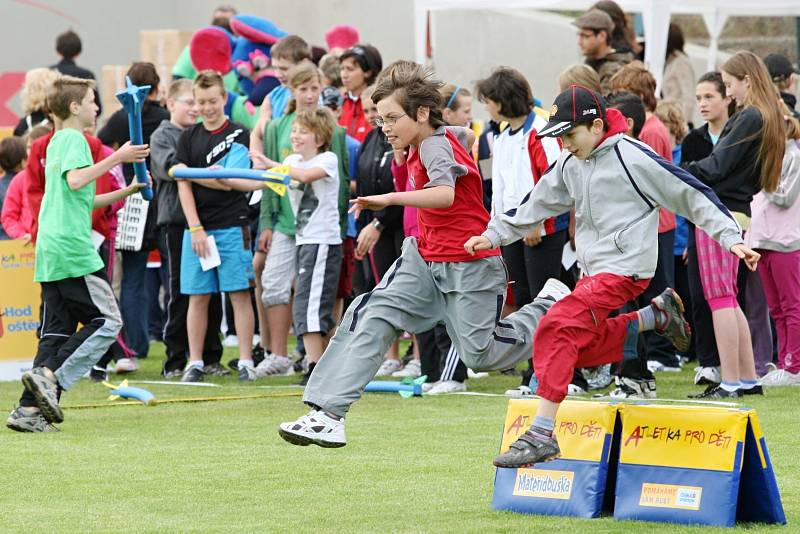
(440,196)
(127,153)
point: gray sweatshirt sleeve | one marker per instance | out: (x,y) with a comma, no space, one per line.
(163,148)
(789,187)
(440,162)
(548,198)
(679,191)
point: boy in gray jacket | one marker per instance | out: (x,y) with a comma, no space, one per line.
(616,185)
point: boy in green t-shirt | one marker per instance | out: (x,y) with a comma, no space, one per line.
(74,285)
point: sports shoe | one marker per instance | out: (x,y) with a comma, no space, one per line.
(447,386)
(758,389)
(574,389)
(45,390)
(230,341)
(413,369)
(655,366)
(193,374)
(126,365)
(676,329)
(598,377)
(175,373)
(307,375)
(553,290)
(704,376)
(20,421)
(780,377)
(520,392)
(715,391)
(632,388)
(275,366)
(216,369)
(314,428)
(259,353)
(98,374)
(388,367)
(247,373)
(473,374)
(529,449)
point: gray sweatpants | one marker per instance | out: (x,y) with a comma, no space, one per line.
(414,296)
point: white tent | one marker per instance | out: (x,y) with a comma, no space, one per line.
(655,15)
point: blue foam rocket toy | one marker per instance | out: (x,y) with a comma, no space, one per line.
(132,99)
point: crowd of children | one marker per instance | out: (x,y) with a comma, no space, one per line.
(402,217)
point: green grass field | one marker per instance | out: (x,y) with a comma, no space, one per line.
(418,465)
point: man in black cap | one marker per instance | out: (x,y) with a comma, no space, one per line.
(594,39)
(783,76)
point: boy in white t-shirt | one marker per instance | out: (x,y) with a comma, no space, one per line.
(319,243)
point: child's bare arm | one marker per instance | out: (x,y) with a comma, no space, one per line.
(306,176)
(106,199)
(128,153)
(440,196)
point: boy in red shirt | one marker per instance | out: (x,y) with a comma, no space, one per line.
(435,280)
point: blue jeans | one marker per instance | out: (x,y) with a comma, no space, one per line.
(135,301)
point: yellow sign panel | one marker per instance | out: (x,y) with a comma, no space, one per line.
(581,427)
(19,302)
(671,496)
(697,437)
(543,483)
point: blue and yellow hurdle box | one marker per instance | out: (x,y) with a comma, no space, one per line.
(698,464)
(576,483)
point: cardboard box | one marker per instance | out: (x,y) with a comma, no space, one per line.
(112,79)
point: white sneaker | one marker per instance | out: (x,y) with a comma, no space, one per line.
(427,386)
(598,377)
(388,367)
(314,428)
(447,386)
(707,375)
(655,366)
(629,388)
(413,369)
(520,392)
(572,389)
(553,290)
(230,341)
(126,365)
(275,366)
(473,374)
(780,377)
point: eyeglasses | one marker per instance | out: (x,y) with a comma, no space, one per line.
(388,121)
(187,101)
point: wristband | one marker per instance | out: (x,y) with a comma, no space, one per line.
(193,229)
(379,226)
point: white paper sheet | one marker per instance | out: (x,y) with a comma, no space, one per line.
(568,256)
(212,259)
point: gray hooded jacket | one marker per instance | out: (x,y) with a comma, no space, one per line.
(616,194)
(163,147)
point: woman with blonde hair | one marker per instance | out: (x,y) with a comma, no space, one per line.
(579,74)
(37,81)
(747,158)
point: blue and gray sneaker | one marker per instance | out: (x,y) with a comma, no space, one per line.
(193,374)
(675,329)
(22,420)
(45,391)
(529,449)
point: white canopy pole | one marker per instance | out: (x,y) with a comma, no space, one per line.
(715,22)
(656,16)
(420,30)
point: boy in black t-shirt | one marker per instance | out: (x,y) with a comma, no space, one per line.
(214,212)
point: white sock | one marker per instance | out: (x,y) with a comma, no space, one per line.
(730,386)
(199,365)
(245,363)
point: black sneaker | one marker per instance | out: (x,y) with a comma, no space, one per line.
(677,330)
(304,381)
(20,421)
(247,374)
(233,364)
(259,353)
(96,374)
(45,390)
(299,365)
(717,392)
(193,374)
(755,390)
(529,449)
(215,369)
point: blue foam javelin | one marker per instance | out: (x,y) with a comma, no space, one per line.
(132,99)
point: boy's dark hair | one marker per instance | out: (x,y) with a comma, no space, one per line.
(208,78)
(509,88)
(292,48)
(68,44)
(320,121)
(367,57)
(222,22)
(64,91)
(144,73)
(630,105)
(413,87)
(12,153)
